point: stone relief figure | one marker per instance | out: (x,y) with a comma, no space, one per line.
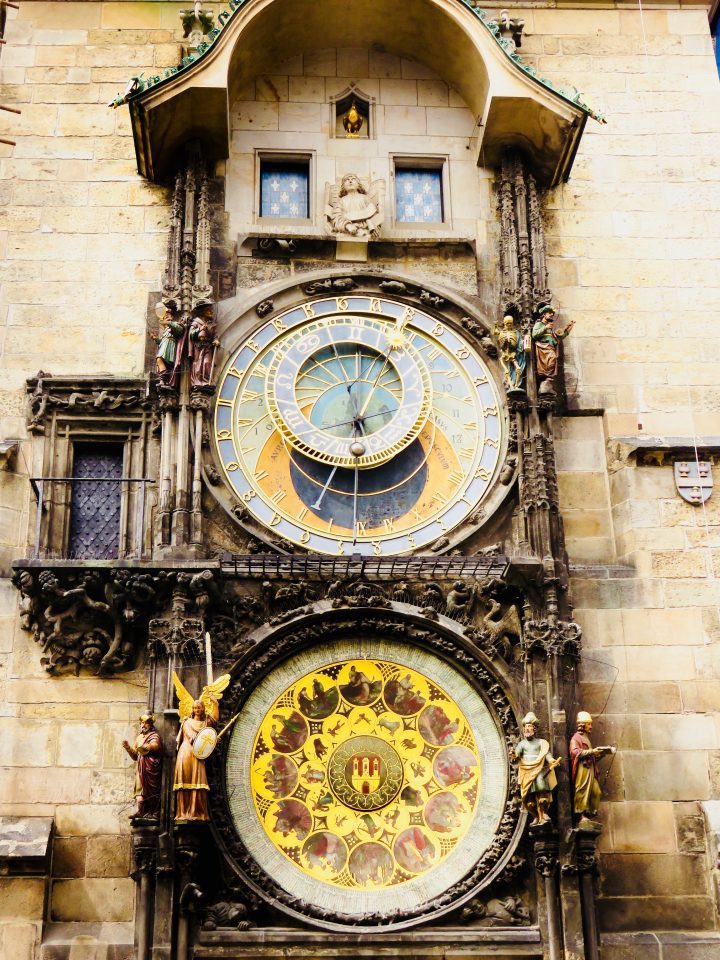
(355,207)
(171,332)
(547,340)
(513,350)
(585,772)
(191,783)
(203,344)
(536,772)
(147,754)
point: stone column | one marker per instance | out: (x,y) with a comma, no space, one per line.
(586,859)
(144,845)
(546,864)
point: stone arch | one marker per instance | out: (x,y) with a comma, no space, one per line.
(512,106)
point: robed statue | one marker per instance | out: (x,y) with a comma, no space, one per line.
(536,772)
(585,771)
(191,783)
(147,754)
(547,346)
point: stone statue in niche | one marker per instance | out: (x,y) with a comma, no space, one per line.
(513,351)
(147,754)
(536,772)
(355,207)
(585,773)
(547,345)
(203,344)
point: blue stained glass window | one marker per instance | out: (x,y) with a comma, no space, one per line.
(418,195)
(284,190)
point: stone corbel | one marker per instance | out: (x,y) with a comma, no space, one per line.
(97,618)
(8,452)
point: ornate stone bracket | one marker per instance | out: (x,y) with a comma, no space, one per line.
(548,637)
(82,396)
(96,617)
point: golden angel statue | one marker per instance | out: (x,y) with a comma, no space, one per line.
(355,207)
(191,784)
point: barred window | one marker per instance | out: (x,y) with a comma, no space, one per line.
(95,501)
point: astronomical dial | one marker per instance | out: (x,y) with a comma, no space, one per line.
(358,424)
(351,394)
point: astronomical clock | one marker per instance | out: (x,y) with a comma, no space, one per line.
(359,424)
(366,779)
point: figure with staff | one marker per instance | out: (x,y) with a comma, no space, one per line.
(585,772)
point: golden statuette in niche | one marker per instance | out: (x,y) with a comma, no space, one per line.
(353,122)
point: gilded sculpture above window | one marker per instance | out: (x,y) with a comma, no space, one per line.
(353,114)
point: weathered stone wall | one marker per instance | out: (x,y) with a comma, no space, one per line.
(634,239)
(83,243)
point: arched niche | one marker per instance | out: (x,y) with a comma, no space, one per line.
(512,107)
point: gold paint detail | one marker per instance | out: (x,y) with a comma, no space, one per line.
(365,774)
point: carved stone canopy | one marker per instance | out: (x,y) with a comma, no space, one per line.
(512,104)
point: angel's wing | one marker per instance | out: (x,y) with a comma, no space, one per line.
(212,693)
(185,698)
(217,686)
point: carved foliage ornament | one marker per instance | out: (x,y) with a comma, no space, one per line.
(95,618)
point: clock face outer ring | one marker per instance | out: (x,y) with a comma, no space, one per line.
(461,457)
(291,655)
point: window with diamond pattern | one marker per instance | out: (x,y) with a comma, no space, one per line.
(95,501)
(418,195)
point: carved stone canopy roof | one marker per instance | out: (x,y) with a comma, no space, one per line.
(513,106)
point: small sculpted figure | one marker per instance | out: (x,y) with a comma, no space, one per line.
(147,754)
(352,122)
(547,340)
(202,344)
(191,783)
(171,331)
(353,209)
(536,772)
(585,772)
(512,350)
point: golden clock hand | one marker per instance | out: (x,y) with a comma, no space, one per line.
(355,490)
(372,388)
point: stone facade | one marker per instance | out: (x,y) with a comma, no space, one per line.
(633,250)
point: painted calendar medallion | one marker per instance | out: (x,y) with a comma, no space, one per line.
(359,771)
